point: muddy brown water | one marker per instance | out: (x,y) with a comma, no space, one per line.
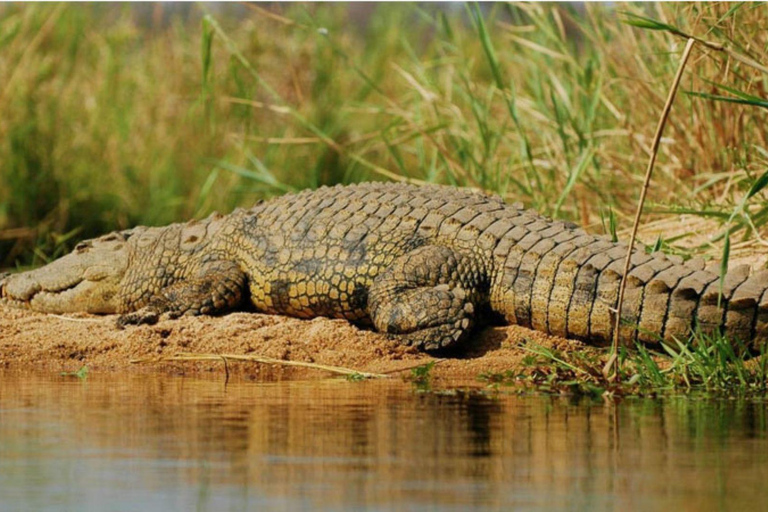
(158,442)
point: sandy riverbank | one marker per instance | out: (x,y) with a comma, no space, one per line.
(65,343)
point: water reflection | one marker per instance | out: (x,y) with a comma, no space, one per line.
(130,442)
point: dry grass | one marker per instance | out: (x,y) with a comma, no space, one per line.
(109,122)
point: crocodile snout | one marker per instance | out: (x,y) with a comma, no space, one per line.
(84,280)
(18,289)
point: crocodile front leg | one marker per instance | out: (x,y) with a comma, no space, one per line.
(429,297)
(216,288)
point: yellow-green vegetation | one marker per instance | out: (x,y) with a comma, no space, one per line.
(81,374)
(112,116)
(713,366)
(421,376)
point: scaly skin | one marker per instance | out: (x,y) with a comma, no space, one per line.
(422,264)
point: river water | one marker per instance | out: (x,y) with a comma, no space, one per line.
(170,443)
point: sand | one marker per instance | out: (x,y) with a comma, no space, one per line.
(36,341)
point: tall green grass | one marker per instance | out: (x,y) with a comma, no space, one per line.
(107,121)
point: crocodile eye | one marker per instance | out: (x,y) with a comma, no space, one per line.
(126,234)
(83,246)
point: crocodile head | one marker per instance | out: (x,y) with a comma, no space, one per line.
(87,279)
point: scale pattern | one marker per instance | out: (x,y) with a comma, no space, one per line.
(423,264)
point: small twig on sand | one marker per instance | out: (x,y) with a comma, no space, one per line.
(258,359)
(611,365)
(71,319)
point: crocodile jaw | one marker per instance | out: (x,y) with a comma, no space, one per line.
(87,279)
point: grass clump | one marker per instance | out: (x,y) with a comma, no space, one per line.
(553,371)
(708,364)
(80,374)
(711,363)
(421,376)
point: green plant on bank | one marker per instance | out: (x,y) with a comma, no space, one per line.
(421,376)
(81,374)
(552,371)
(708,364)
(355,377)
(711,363)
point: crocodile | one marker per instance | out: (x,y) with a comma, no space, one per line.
(423,264)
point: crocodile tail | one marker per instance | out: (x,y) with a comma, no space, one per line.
(666,300)
(736,306)
(572,291)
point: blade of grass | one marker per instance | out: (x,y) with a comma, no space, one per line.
(541,351)
(493,62)
(728,99)
(573,177)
